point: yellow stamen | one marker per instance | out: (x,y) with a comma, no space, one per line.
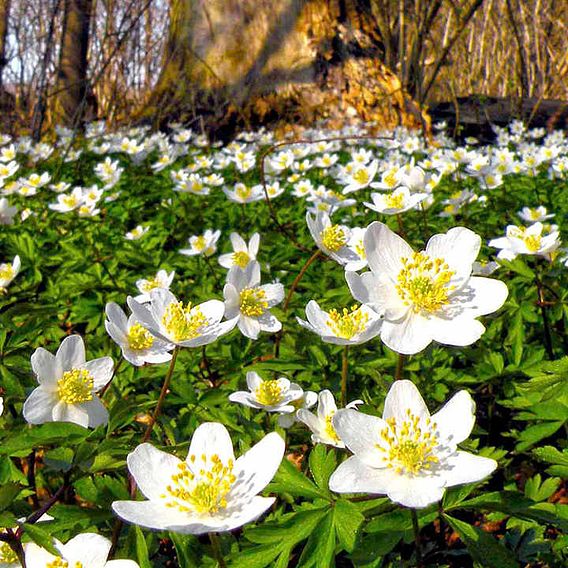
(330,430)
(333,238)
(75,386)
(532,242)
(395,201)
(183,323)
(241,259)
(347,324)
(139,338)
(252,302)
(268,393)
(423,282)
(7,555)
(361,176)
(201,485)
(408,447)
(7,272)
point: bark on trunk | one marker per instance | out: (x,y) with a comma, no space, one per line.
(72,89)
(245,63)
(4,16)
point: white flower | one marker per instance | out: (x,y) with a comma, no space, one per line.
(87,550)
(531,240)
(67,386)
(68,202)
(321,425)
(242,254)
(358,249)
(399,201)
(137,233)
(360,176)
(208,492)
(426,296)
(250,303)
(205,244)
(346,327)
(331,239)
(308,399)
(7,212)
(187,326)
(242,193)
(407,454)
(271,396)
(138,345)
(161,280)
(9,271)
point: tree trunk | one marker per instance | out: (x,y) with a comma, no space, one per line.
(244,63)
(72,90)
(4,16)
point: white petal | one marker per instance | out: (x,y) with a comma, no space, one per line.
(212,438)
(459,331)
(274,293)
(269,323)
(238,243)
(249,327)
(354,476)
(407,336)
(402,396)
(75,413)
(116,315)
(467,468)
(483,296)
(98,414)
(360,433)
(152,469)
(38,407)
(385,249)
(71,352)
(459,247)
(416,492)
(456,418)
(253,380)
(46,367)
(213,310)
(257,467)
(89,548)
(152,515)
(101,370)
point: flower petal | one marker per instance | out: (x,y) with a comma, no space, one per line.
(455,420)
(467,468)
(404,396)
(212,438)
(71,352)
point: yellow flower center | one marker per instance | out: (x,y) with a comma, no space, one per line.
(7,272)
(69,200)
(75,386)
(200,485)
(395,201)
(361,176)
(241,259)
(7,555)
(60,563)
(408,447)
(243,192)
(268,393)
(151,284)
(532,242)
(390,179)
(333,238)
(182,323)
(360,250)
(139,338)
(330,430)
(199,243)
(346,324)
(423,282)
(252,302)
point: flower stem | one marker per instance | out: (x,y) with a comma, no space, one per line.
(399,367)
(216,548)
(416,529)
(547,336)
(299,277)
(162,396)
(344,374)
(211,270)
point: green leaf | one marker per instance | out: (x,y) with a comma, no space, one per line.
(290,480)
(187,550)
(322,465)
(373,546)
(41,536)
(482,547)
(8,493)
(347,521)
(318,552)
(141,548)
